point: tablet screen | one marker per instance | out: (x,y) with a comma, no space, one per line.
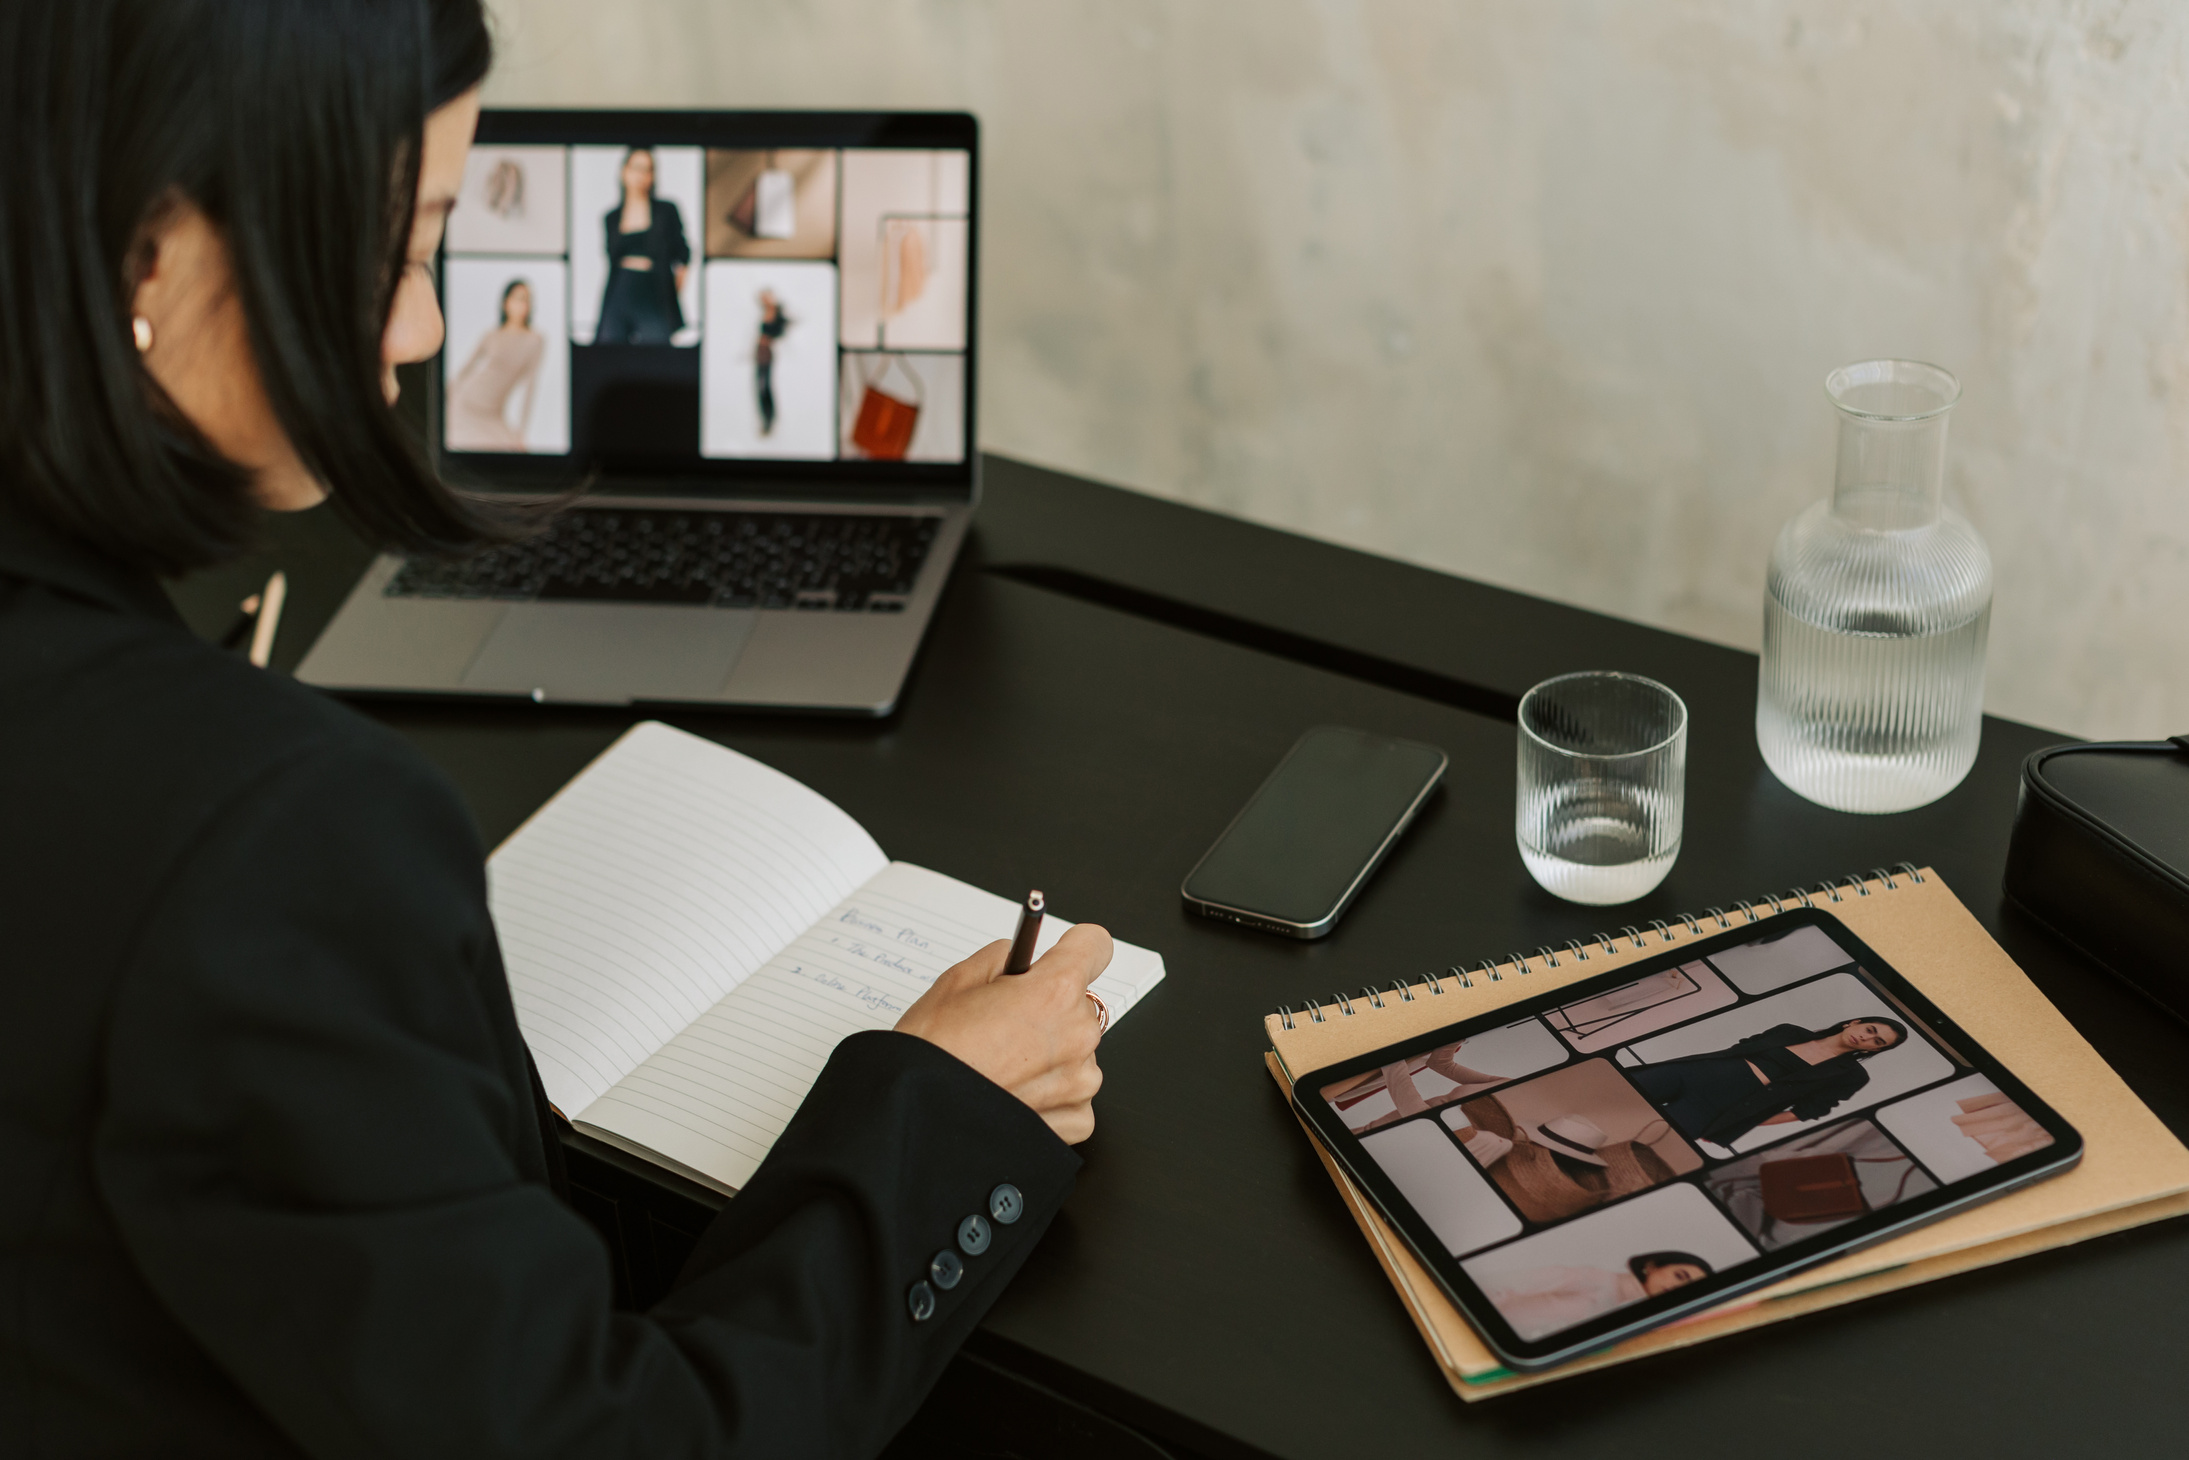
(1644,1144)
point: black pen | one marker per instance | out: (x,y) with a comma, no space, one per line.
(1029,928)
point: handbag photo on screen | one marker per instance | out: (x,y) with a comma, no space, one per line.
(1824,1187)
(1819,1188)
(885,420)
(769,207)
(775,204)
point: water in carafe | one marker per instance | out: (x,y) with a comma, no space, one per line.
(1876,609)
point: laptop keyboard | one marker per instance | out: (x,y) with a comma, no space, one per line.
(806,560)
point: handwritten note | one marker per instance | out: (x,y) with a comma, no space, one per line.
(690,933)
(715,1097)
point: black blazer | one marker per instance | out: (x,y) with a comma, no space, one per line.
(663,242)
(1809,1091)
(272,1177)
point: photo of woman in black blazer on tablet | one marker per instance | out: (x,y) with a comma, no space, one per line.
(279,1177)
(1782,1075)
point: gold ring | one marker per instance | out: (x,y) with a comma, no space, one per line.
(1102,1012)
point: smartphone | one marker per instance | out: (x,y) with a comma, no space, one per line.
(1304,844)
(1622,1151)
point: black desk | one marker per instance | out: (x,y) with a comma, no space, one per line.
(1109,677)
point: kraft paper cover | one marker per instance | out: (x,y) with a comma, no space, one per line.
(2133,1169)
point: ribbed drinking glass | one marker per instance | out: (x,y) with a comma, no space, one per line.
(1603,781)
(1876,609)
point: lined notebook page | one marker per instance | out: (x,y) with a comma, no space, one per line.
(716,1096)
(650,887)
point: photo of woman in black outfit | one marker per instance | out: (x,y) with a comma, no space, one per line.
(774,323)
(648,258)
(1785,1074)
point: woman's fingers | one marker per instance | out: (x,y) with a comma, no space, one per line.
(1062,1086)
(1065,1100)
(1034,1035)
(1081,954)
(1072,1126)
(983,965)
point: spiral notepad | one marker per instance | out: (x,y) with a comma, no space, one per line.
(2133,1169)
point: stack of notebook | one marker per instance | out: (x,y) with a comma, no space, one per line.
(2133,1169)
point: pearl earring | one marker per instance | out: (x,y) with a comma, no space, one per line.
(140,329)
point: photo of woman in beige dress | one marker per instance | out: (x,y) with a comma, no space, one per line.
(507,358)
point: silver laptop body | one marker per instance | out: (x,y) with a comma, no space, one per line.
(772,413)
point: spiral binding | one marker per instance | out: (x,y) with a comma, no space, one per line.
(1832,889)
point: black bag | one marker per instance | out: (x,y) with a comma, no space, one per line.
(2101,856)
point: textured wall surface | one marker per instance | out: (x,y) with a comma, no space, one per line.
(1543,293)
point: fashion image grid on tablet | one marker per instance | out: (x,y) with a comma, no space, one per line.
(1677,1127)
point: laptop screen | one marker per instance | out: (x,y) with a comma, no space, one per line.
(712,295)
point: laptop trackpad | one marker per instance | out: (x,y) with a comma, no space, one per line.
(608,653)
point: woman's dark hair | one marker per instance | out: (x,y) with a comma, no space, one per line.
(1640,1266)
(628,154)
(296,128)
(1900,1032)
(510,288)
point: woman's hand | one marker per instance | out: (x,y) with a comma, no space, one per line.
(1033,1034)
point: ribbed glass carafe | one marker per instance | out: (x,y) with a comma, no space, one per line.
(1876,609)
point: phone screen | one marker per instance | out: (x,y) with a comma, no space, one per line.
(1636,1146)
(1315,830)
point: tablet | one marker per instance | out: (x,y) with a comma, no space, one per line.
(1627,1149)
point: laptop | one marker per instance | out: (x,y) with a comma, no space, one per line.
(745,340)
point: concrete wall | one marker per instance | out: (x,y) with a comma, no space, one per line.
(1543,292)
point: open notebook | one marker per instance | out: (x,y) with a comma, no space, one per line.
(2133,1169)
(689,933)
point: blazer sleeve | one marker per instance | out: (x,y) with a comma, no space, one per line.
(1777,1036)
(314,1145)
(672,223)
(1829,1093)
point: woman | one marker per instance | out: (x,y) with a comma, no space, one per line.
(507,357)
(648,257)
(1785,1074)
(1541,1301)
(1398,1079)
(773,323)
(281,1180)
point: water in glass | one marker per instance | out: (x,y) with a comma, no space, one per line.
(1602,781)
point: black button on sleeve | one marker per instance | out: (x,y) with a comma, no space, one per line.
(1005,1204)
(921,1301)
(973,1235)
(945,1269)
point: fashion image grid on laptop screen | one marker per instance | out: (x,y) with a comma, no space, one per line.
(1762,1103)
(639,300)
